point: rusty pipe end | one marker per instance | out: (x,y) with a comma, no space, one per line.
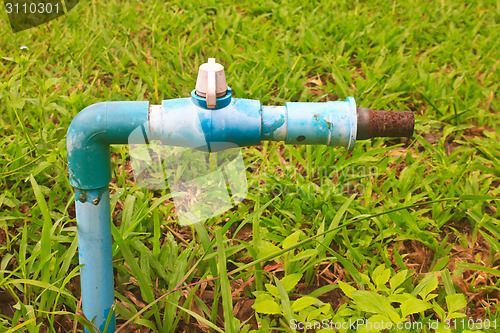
(372,124)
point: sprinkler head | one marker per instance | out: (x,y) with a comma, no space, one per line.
(372,124)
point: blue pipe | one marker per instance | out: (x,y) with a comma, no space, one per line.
(90,134)
(94,250)
(244,122)
(88,139)
(185,122)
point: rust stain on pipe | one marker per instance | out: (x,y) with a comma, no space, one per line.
(372,123)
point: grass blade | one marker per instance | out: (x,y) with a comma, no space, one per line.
(227,300)
(45,242)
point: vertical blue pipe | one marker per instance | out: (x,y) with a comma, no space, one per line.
(94,243)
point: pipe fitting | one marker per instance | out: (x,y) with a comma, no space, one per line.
(90,134)
(329,123)
(220,102)
(185,123)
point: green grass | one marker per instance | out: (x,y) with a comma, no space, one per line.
(410,214)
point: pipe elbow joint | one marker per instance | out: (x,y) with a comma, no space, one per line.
(85,151)
(90,134)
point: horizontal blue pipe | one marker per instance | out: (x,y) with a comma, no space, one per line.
(245,122)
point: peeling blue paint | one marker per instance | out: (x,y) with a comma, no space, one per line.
(274,123)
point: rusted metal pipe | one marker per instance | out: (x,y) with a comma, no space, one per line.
(372,124)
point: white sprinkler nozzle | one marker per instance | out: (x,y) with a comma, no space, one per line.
(211,82)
